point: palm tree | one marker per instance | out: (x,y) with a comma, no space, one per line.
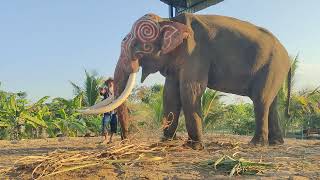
(211,108)
(305,108)
(151,99)
(90,88)
(146,103)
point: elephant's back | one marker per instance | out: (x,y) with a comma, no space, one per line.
(233,25)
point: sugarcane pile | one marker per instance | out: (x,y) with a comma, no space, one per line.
(138,154)
(62,161)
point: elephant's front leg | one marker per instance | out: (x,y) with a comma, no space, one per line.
(171,107)
(191,93)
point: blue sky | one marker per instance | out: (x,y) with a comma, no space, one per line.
(45,44)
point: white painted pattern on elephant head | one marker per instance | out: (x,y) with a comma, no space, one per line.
(147,49)
(146,30)
(126,44)
(168,35)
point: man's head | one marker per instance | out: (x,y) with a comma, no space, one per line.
(109,82)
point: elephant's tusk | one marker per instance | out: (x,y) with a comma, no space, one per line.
(117,102)
(103,103)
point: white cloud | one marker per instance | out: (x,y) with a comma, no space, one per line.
(307,76)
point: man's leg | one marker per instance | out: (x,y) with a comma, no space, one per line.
(110,139)
(113,126)
(104,125)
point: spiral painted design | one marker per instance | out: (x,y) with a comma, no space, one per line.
(126,43)
(146,30)
(148,47)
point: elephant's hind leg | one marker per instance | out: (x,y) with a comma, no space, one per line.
(264,90)
(261,111)
(275,135)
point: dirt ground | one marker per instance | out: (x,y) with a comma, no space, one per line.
(296,159)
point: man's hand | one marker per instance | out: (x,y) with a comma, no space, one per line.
(102,91)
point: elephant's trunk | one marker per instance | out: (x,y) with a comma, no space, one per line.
(122,77)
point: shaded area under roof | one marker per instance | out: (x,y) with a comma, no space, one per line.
(190,6)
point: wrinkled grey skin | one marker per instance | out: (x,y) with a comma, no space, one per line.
(223,54)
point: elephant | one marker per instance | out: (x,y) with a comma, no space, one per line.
(194,52)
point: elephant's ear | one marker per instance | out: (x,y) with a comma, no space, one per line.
(173,34)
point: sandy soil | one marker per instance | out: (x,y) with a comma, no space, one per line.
(296,159)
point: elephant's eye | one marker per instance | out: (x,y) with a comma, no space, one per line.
(135,44)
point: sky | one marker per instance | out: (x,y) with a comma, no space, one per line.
(46,44)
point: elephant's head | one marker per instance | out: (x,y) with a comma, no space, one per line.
(150,38)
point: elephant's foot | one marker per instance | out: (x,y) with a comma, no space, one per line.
(169,138)
(259,140)
(276,140)
(125,135)
(195,145)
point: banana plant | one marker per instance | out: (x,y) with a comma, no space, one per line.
(15,113)
(65,118)
(42,112)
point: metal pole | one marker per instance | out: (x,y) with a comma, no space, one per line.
(170,11)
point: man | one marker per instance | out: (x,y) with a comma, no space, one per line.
(112,116)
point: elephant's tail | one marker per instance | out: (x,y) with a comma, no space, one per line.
(288,93)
